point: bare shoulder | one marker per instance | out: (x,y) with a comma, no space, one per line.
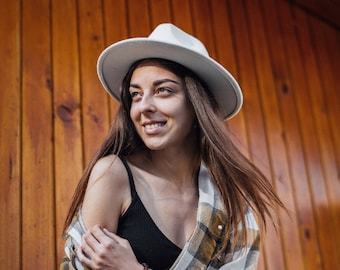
(107,193)
(106,169)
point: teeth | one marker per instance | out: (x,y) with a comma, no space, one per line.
(151,126)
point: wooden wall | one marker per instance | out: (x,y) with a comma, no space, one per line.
(54,113)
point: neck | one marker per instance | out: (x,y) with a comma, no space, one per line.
(176,165)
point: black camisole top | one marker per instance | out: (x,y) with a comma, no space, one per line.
(149,244)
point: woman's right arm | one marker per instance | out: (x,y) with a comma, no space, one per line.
(106,197)
(107,194)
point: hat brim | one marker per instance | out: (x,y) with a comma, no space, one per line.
(115,61)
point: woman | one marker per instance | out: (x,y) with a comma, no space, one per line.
(167,189)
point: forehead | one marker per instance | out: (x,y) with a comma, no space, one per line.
(153,68)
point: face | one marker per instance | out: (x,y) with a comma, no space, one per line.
(159,110)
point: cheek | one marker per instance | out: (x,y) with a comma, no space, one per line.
(133,113)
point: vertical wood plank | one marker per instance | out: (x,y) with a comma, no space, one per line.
(95,101)
(297,68)
(318,153)
(38,232)
(116,28)
(225,54)
(67,121)
(330,43)
(181,15)
(274,130)
(272,255)
(202,23)
(324,10)
(10,120)
(116,20)
(139,18)
(331,111)
(285,92)
(159,12)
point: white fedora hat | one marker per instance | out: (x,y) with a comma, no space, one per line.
(169,42)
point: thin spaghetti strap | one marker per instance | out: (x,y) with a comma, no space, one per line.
(131,181)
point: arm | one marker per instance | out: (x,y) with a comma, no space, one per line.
(106,197)
(107,194)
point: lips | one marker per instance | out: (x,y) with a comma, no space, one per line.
(153,126)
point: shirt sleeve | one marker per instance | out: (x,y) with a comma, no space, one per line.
(72,242)
(246,258)
(71,261)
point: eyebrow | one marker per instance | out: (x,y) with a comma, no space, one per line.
(156,83)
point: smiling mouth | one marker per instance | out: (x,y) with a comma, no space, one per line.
(154,125)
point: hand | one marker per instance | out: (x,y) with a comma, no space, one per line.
(101,249)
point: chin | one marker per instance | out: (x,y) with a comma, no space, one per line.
(154,147)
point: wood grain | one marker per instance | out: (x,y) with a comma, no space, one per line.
(54,113)
(67,111)
(38,198)
(10,136)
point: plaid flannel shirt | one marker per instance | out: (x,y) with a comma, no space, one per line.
(204,243)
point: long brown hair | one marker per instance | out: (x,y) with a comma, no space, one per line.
(239,182)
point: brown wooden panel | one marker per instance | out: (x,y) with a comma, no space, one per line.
(297,68)
(10,119)
(159,12)
(38,230)
(202,23)
(257,137)
(116,20)
(302,101)
(116,28)
(327,10)
(67,121)
(95,104)
(328,40)
(224,43)
(181,15)
(287,63)
(323,157)
(329,131)
(225,54)
(331,79)
(274,130)
(139,20)
(292,136)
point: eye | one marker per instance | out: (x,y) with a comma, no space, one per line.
(162,90)
(135,95)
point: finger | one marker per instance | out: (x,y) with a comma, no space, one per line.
(119,240)
(108,233)
(90,243)
(83,258)
(103,237)
(113,236)
(88,250)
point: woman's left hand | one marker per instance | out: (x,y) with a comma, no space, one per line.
(101,249)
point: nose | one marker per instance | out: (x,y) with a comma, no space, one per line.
(147,104)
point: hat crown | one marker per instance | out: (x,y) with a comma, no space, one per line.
(168,33)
